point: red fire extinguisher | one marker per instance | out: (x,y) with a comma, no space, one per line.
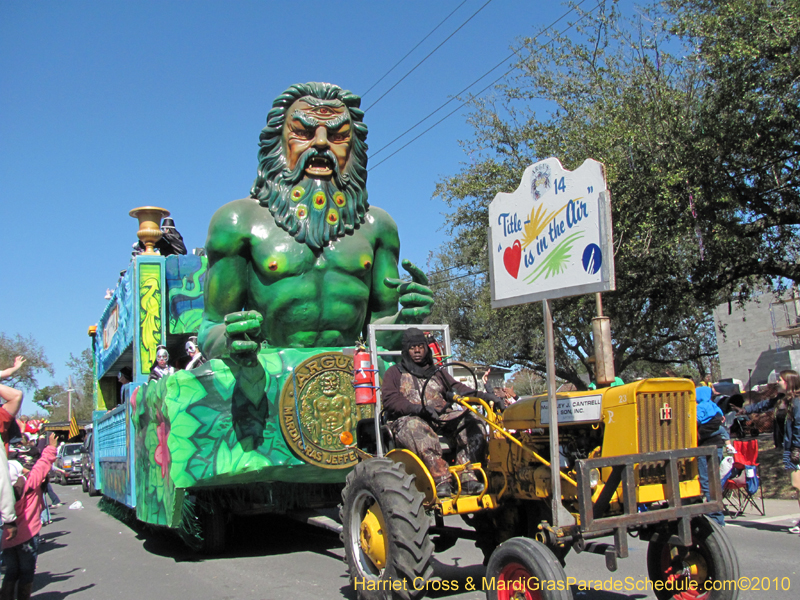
(436,349)
(364,377)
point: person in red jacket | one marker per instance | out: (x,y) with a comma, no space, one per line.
(12,399)
(21,551)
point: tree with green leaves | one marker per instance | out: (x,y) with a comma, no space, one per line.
(55,398)
(35,364)
(82,369)
(638,95)
(742,165)
(52,398)
(526,382)
(48,397)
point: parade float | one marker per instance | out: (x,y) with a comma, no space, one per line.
(290,278)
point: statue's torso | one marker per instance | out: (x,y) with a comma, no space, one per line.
(310,299)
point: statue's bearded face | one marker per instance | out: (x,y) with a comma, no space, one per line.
(323,130)
(312,169)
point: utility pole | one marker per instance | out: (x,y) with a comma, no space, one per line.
(69,399)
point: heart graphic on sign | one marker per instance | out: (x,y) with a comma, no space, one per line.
(512,257)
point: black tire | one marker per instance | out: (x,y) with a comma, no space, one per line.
(84,485)
(383,487)
(93,491)
(210,532)
(711,553)
(214,532)
(532,565)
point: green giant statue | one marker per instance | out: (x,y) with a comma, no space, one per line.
(305,261)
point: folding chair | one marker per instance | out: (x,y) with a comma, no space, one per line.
(744,488)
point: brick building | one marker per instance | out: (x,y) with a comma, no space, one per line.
(761,336)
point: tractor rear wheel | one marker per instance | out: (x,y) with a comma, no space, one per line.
(385,532)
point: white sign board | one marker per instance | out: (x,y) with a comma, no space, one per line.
(551,238)
(574,410)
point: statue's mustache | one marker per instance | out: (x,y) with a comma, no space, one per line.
(296,174)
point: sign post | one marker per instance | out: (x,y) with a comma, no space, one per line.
(551,238)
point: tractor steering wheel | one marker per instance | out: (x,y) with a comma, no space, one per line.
(444,366)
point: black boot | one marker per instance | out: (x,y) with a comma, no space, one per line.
(7,591)
(24,591)
(471,487)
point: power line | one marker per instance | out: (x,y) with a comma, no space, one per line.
(429,55)
(510,56)
(418,123)
(469,86)
(458,277)
(452,278)
(414,48)
(445,270)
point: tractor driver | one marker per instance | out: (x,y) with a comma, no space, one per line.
(416,426)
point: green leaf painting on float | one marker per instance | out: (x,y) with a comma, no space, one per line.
(187,322)
(184,389)
(224,381)
(222,462)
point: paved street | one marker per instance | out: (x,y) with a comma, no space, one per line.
(88,555)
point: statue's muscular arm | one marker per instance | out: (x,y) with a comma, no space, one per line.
(415,297)
(225,289)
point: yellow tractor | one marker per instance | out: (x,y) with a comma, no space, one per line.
(628,461)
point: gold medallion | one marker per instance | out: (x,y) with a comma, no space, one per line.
(317,405)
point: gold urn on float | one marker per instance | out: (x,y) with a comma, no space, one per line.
(149,225)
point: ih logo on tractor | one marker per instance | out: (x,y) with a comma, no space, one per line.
(666,412)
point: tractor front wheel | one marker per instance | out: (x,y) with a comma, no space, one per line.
(522,568)
(385,532)
(690,572)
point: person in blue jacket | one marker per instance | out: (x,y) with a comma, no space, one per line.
(710,432)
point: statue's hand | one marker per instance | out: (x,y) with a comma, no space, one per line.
(240,328)
(416,298)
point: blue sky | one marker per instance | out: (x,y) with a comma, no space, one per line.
(106,106)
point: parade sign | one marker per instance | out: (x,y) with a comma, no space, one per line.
(574,410)
(551,238)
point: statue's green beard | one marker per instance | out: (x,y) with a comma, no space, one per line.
(314,211)
(320,211)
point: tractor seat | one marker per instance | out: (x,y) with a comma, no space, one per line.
(365,434)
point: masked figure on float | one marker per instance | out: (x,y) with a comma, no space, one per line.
(161,368)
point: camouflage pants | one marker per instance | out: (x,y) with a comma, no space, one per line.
(463,431)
